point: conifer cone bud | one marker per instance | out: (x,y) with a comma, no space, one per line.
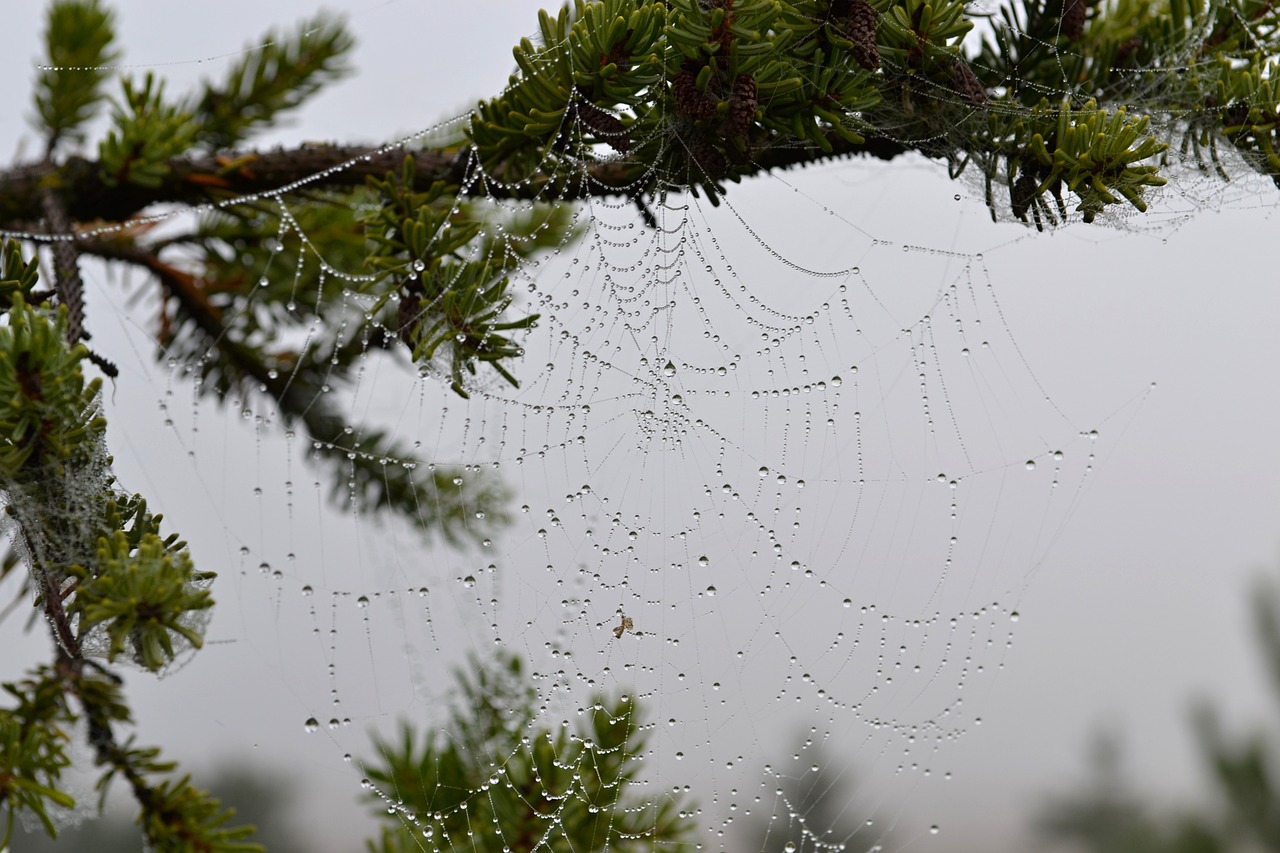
(861,28)
(967,83)
(1235,114)
(1023,194)
(410,308)
(1071,24)
(707,156)
(620,56)
(689,101)
(742,106)
(1126,51)
(605,125)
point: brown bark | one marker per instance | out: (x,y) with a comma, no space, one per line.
(214,179)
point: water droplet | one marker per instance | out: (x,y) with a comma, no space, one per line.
(362,601)
(311,725)
(1031,464)
(469,581)
(669,369)
(711,591)
(1014,616)
(702,561)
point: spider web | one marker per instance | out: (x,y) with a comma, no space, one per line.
(788,464)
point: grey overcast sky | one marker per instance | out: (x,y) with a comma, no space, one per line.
(1138,606)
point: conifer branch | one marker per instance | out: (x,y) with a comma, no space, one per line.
(224,178)
(66,263)
(440,500)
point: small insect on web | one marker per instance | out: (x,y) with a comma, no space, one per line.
(626,625)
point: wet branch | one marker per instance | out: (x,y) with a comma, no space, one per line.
(223,178)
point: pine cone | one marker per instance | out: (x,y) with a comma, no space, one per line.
(1235,114)
(1071,24)
(689,101)
(861,28)
(1023,194)
(1126,51)
(967,83)
(407,317)
(742,106)
(605,125)
(620,55)
(707,156)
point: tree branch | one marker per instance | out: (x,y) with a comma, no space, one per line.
(218,179)
(182,286)
(66,262)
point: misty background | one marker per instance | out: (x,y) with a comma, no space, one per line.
(1137,605)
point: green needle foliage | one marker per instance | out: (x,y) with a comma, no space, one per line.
(109,583)
(78,46)
(269,82)
(146,132)
(491,779)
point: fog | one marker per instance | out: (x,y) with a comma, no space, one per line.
(1129,577)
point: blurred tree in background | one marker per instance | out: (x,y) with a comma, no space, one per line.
(815,807)
(1243,814)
